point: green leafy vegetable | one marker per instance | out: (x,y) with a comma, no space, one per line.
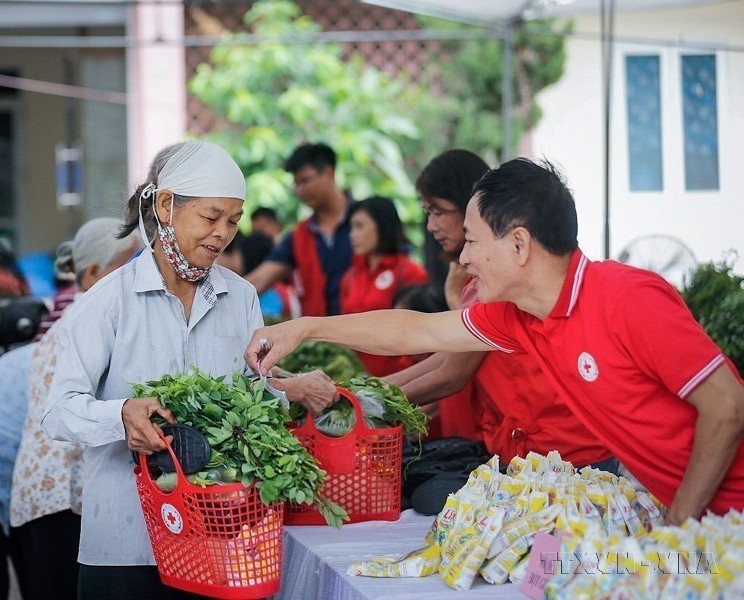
(337,362)
(398,410)
(383,405)
(245,426)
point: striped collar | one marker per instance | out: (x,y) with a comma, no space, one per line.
(569,295)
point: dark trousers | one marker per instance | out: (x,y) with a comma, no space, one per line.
(10,549)
(49,546)
(125,583)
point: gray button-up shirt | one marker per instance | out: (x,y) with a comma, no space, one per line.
(128,329)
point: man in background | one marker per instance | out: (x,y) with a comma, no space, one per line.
(317,252)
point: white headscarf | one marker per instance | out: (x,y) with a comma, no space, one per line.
(199,170)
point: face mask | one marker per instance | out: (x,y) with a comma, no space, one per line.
(184,269)
(167,236)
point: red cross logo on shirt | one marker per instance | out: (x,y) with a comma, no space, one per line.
(588,367)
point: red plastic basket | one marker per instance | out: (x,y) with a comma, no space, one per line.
(220,541)
(364,470)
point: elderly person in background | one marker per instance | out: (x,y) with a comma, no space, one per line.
(14,367)
(64,281)
(46,493)
(167,310)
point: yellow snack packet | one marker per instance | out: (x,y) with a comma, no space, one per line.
(597,495)
(648,510)
(518,466)
(467,553)
(419,563)
(444,522)
(630,517)
(539,463)
(467,515)
(613,518)
(496,570)
(538,500)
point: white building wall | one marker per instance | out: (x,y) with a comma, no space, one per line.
(156,82)
(571,134)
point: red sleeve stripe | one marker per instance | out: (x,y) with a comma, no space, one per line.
(472,329)
(703,374)
(578,278)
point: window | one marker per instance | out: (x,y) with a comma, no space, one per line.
(700,118)
(642,84)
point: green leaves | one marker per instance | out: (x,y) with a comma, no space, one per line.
(246,429)
(715,295)
(337,362)
(304,92)
(397,407)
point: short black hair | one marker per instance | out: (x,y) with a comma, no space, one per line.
(255,247)
(320,156)
(266,213)
(420,297)
(523,193)
(451,176)
(391,238)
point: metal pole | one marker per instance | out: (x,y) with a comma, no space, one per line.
(507,96)
(607,31)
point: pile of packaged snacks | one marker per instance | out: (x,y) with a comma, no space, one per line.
(488,525)
(700,559)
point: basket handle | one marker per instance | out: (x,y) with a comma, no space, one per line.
(309,428)
(179,471)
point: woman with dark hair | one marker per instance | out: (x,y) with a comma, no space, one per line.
(444,185)
(379,268)
(507,402)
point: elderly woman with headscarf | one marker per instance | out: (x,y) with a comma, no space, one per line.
(170,308)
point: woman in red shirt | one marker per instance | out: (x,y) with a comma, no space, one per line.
(380,267)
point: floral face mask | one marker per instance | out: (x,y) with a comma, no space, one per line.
(167,236)
(184,269)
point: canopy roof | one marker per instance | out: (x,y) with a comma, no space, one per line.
(484,12)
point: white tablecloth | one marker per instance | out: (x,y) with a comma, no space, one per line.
(316,559)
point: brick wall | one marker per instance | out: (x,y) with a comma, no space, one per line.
(392,56)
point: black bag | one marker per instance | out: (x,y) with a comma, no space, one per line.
(442,468)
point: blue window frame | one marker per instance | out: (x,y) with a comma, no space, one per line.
(700,118)
(643,89)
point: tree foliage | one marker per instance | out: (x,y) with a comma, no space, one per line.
(462,99)
(277,94)
(280,92)
(715,296)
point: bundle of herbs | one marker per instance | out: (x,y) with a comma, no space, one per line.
(245,426)
(383,405)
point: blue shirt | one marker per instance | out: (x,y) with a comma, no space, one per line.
(128,328)
(334,252)
(14,368)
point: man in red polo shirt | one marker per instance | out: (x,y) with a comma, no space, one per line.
(617,343)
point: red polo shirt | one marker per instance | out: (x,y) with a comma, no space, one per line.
(518,411)
(363,289)
(623,351)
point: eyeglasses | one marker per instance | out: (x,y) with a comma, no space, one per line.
(305,180)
